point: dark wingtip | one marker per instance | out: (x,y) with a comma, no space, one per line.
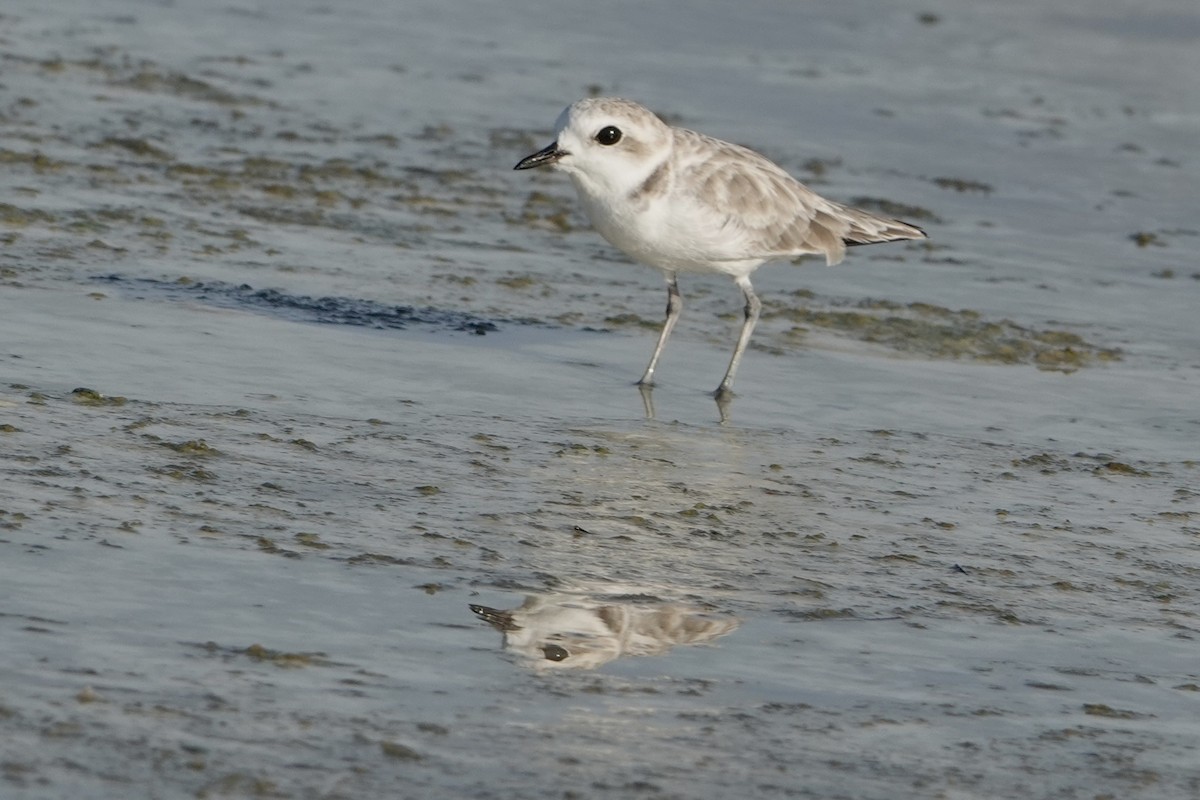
(903,238)
(499,619)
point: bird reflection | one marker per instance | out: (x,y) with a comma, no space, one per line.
(724,402)
(563,631)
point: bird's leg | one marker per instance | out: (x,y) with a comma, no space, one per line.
(674,306)
(647,392)
(753,307)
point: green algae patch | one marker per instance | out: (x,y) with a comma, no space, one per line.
(517,282)
(1146,239)
(962,185)
(399,751)
(933,331)
(310,540)
(1099,464)
(283,659)
(17,217)
(377,558)
(632,320)
(257,652)
(90,397)
(819,614)
(192,447)
(545,211)
(1102,710)
(238,784)
(181,472)
(1119,468)
(137,147)
(37,161)
(180,85)
(267,545)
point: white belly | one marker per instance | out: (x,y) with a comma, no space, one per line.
(658,236)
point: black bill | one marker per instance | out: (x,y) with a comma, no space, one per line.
(500,620)
(547,155)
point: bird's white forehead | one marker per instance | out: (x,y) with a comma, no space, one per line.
(583,115)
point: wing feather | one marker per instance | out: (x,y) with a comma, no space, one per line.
(752,209)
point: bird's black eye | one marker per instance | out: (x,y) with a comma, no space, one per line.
(609,136)
(553,652)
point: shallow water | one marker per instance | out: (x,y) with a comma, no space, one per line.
(296,370)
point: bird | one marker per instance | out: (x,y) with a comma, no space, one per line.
(683,202)
(575,631)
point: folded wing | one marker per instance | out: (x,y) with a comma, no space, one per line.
(773,214)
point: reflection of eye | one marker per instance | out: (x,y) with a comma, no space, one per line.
(609,136)
(553,652)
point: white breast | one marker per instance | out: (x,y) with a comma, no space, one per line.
(667,232)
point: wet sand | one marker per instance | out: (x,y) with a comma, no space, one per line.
(296,370)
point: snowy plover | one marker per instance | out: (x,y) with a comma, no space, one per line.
(562,631)
(681,201)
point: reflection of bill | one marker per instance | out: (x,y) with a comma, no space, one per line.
(562,631)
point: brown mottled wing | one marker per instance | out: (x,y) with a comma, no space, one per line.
(762,212)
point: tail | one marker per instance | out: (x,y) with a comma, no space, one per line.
(869,229)
(832,227)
